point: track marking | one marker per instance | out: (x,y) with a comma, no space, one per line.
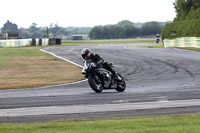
(63,84)
(66,61)
(61,58)
(50,110)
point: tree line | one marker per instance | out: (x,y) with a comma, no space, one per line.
(54,30)
(125,29)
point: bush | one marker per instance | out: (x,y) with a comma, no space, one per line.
(187,21)
(186,28)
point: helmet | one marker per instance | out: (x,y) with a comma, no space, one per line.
(86,53)
(157,35)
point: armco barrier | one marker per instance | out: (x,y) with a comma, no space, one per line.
(23,42)
(182,42)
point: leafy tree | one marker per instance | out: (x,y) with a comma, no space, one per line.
(125,22)
(55,30)
(151,28)
(9,27)
(183,8)
(35,32)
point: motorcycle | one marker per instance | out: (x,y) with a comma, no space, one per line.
(157,40)
(100,79)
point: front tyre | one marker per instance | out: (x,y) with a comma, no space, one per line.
(121,85)
(95,84)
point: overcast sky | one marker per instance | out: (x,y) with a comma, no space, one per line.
(84,12)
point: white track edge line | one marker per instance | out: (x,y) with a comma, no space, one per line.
(48,110)
(61,58)
(66,61)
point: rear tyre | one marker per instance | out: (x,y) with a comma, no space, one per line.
(95,84)
(121,86)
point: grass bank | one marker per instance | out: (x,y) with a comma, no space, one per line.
(190,48)
(29,67)
(154,124)
(147,46)
(109,41)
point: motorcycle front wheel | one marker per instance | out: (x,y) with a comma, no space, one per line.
(95,83)
(121,86)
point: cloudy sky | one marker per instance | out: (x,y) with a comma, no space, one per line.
(84,12)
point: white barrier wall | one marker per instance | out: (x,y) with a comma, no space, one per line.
(22,42)
(182,42)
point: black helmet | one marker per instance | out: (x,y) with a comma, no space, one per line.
(85,53)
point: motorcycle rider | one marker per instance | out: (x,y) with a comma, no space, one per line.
(157,38)
(87,54)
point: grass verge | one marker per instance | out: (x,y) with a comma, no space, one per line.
(147,46)
(154,46)
(109,41)
(190,48)
(159,124)
(29,68)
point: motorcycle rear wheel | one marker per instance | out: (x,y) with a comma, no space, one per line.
(95,85)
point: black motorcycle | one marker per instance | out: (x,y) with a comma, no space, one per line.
(157,40)
(100,79)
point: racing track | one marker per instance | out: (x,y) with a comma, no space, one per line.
(159,81)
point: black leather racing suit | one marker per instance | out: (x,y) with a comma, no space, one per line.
(97,59)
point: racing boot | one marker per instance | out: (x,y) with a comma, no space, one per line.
(116,77)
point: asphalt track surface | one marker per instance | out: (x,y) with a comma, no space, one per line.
(159,81)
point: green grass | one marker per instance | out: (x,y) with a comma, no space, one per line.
(190,48)
(22,51)
(154,124)
(154,46)
(12,52)
(147,46)
(28,67)
(109,41)
(3,63)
